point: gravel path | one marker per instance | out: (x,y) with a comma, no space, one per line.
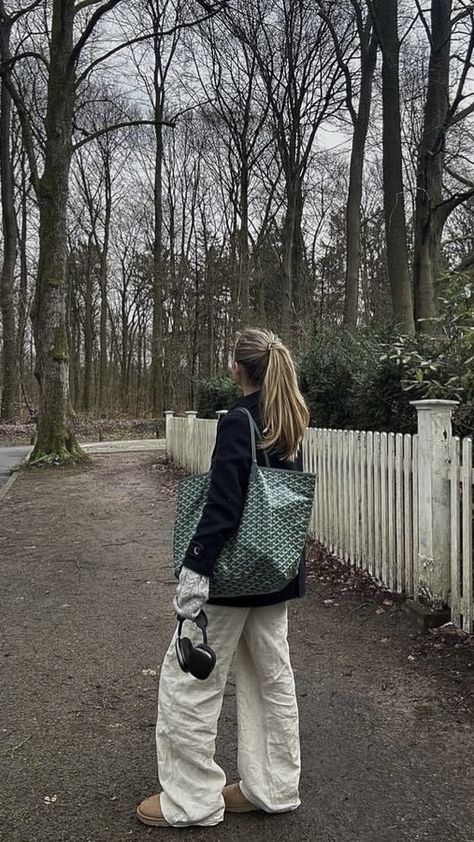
(85,617)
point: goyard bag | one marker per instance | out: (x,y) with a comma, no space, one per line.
(264,553)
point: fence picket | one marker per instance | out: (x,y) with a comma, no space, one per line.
(377,506)
(415,513)
(318,494)
(467,561)
(326,492)
(391,549)
(408,514)
(349,496)
(399,513)
(456,521)
(362,550)
(370,504)
(384,506)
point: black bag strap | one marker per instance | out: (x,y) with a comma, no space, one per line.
(254,432)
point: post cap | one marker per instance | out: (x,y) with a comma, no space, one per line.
(434,403)
(191,413)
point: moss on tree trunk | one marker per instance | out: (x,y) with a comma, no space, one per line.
(55,440)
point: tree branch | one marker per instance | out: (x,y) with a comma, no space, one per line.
(98,14)
(140,38)
(85,3)
(462,81)
(13,60)
(466,263)
(25,125)
(462,114)
(461,178)
(25,11)
(89,136)
(421,15)
(446,208)
(468,10)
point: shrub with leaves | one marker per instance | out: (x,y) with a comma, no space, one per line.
(214,393)
(442,366)
(367,380)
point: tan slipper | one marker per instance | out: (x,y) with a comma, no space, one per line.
(149,812)
(235,800)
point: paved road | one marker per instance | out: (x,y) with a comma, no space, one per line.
(9,457)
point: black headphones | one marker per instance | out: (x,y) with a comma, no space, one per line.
(198,660)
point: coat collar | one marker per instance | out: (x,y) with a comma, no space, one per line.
(248,401)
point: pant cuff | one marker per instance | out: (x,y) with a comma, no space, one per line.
(287,807)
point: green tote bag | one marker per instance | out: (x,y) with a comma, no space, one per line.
(264,553)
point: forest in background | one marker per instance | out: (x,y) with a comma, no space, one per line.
(173,170)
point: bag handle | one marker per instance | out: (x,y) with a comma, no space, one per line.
(254,429)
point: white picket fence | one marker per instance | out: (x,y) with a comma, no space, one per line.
(366,508)
(366,500)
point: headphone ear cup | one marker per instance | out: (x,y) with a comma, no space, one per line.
(184,650)
(202,661)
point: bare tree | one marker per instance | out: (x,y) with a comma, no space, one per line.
(385,16)
(302,81)
(72,26)
(358,101)
(433,206)
(9,222)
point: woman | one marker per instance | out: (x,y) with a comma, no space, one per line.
(254,628)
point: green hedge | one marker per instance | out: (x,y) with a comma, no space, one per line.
(215,393)
(367,380)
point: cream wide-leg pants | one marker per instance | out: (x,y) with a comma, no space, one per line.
(267,718)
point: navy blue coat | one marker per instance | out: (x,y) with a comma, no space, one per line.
(230,471)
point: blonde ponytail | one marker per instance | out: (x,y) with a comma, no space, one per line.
(269,366)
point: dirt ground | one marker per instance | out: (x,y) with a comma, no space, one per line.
(85,617)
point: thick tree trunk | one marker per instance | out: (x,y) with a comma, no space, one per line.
(428,218)
(158,267)
(9,347)
(55,441)
(394,203)
(353,211)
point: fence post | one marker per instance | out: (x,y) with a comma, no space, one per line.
(220,413)
(191,416)
(168,415)
(432,557)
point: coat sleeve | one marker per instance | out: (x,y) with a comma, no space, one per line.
(227,492)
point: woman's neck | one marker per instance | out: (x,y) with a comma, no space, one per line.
(249,389)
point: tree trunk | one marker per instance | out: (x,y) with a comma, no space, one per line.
(23,292)
(9,347)
(157,332)
(104,256)
(428,221)
(394,203)
(353,233)
(244,246)
(88,330)
(55,441)
(293,256)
